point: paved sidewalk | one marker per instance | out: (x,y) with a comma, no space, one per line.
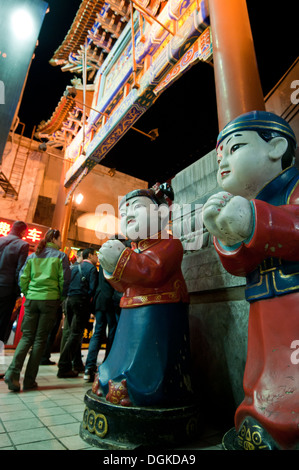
(49,417)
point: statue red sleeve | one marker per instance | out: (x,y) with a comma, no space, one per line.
(275,234)
(149,268)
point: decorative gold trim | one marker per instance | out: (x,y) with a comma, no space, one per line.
(288,289)
(248,125)
(121,264)
(251,439)
(257,285)
(105,425)
(92,426)
(265,269)
(149,242)
(290,195)
(149,299)
(272,270)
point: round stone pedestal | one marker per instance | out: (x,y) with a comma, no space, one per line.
(109,426)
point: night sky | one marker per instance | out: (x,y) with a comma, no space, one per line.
(185,114)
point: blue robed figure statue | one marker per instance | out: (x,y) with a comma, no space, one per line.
(149,361)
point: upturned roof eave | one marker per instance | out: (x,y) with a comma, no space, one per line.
(76,36)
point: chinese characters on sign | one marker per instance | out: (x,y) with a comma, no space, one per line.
(4,228)
(34,233)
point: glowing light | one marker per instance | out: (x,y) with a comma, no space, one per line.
(79,198)
(34,235)
(22,23)
(4,228)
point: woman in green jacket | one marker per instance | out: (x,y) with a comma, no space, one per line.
(44,281)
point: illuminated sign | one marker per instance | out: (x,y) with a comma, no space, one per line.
(34,235)
(164,47)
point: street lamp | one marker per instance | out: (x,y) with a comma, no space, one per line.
(79,198)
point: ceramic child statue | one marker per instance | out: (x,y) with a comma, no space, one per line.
(255,223)
(148,363)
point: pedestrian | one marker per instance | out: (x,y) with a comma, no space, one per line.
(45,360)
(79,258)
(13,254)
(84,280)
(44,281)
(77,360)
(105,314)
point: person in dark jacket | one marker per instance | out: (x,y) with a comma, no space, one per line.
(79,258)
(78,308)
(45,360)
(13,254)
(105,314)
(77,363)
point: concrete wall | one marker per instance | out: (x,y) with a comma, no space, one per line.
(218,312)
(22,207)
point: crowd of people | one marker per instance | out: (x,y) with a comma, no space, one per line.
(55,291)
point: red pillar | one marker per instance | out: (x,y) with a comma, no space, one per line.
(237,81)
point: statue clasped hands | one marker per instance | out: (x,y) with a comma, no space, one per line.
(229,218)
(109,254)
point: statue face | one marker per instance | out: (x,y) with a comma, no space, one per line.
(245,164)
(138,218)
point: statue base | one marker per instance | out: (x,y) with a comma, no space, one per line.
(251,436)
(230,440)
(114,427)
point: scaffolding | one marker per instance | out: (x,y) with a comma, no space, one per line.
(11,185)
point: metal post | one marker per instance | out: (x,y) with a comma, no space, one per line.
(135,84)
(148,13)
(62,212)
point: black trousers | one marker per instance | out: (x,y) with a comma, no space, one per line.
(51,337)
(6,308)
(39,319)
(77,312)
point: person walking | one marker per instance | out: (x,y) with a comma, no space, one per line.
(105,314)
(46,357)
(44,280)
(13,254)
(79,258)
(77,360)
(84,280)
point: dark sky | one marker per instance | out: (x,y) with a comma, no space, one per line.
(185,114)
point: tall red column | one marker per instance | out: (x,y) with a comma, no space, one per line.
(238,87)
